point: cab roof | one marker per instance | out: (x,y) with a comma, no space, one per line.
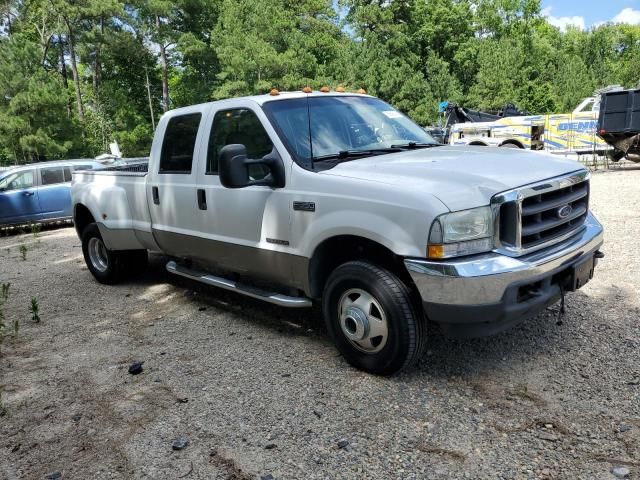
(266,98)
(262,99)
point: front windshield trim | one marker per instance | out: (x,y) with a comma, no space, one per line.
(309,163)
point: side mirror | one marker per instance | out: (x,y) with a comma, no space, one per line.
(234,168)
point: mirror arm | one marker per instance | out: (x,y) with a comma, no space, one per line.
(260,183)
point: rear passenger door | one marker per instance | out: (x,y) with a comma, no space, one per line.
(171,182)
(54,192)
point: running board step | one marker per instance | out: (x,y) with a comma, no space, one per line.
(271,297)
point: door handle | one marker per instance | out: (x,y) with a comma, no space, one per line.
(156,195)
(28,194)
(202,199)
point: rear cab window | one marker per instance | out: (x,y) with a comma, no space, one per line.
(178,144)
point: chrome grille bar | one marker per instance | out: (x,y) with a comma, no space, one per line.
(536,216)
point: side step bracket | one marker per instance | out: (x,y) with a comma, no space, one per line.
(271,297)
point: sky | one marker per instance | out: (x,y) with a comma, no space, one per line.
(589,13)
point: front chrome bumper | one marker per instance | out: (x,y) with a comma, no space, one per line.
(484,279)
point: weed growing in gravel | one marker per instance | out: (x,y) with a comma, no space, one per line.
(34,310)
(35,229)
(4,296)
(23,251)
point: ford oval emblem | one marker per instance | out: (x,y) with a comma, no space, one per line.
(564,212)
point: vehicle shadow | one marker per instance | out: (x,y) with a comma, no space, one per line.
(291,321)
(549,334)
(445,357)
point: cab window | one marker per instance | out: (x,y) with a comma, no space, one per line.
(17,181)
(238,125)
(179,144)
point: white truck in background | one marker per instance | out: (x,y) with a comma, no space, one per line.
(338,198)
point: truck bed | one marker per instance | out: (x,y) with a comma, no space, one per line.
(137,168)
(620,112)
(619,122)
(126,210)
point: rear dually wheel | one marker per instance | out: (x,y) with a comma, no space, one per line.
(110,266)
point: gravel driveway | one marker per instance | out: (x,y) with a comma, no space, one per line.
(259,391)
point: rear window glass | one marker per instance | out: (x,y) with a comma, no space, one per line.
(52,175)
(179,144)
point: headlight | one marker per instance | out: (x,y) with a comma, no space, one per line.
(461,233)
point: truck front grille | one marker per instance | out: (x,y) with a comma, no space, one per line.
(533,217)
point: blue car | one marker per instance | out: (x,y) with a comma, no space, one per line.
(39,192)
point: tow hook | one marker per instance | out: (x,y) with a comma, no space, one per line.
(597,256)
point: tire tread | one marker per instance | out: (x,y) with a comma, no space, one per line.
(401,294)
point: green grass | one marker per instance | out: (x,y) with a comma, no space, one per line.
(35,316)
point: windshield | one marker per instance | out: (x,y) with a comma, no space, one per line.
(341,126)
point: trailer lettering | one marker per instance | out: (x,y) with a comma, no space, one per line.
(585,126)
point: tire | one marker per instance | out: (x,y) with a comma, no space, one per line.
(360,288)
(109,266)
(509,145)
(617,155)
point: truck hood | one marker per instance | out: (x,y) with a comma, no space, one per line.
(460,177)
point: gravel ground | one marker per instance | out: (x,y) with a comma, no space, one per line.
(259,391)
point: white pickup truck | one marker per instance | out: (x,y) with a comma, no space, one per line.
(340,198)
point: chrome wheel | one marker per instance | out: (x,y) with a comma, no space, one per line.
(363,320)
(98,254)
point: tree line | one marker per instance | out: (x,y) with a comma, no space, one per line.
(76,75)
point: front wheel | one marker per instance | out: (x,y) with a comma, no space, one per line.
(109,266)
(372,318)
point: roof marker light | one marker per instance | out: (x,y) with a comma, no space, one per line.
(274,92)
(340,89)
(307,89)
(362,91)
(325,89)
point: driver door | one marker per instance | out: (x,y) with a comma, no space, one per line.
(242,222)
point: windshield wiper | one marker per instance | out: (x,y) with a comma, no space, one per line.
(414,145)
(344,155)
